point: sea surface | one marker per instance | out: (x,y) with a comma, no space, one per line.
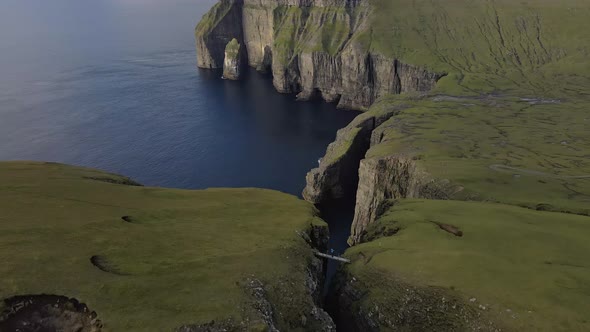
(113,84)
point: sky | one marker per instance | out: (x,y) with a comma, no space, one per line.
(37,35)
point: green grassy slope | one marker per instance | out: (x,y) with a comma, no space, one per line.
(309,29)
(184,257)
(537,47)
(212,18)
(523,270)
(505,150)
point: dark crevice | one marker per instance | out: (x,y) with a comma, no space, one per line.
(449,228)
(397,84)
(338,214)
(339,211)
(370,70)
(102,263)
(128,219)
(114,180)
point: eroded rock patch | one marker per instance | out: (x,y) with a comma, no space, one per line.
(47,313)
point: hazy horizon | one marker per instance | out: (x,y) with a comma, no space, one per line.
(35,35)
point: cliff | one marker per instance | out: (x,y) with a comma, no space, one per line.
(313,48)
(217,28)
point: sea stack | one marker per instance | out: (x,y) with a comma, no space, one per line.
(232,62)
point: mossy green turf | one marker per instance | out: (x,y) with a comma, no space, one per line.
(309,29)
(528,268)
(210,20)
(233,48)
(497,148)
(538,47)
(184,258)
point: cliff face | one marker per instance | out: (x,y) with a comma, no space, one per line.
(314,48)
(382,179)
(217,28)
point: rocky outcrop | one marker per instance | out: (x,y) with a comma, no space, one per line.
(314,48)
(233,62)
(403,307)
(47,313)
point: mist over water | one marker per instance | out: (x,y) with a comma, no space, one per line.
(113,84)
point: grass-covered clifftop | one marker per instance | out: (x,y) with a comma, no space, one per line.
(155,259)
(526,152)
(538,47)
(467,266)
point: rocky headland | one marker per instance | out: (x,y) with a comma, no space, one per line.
(315,49)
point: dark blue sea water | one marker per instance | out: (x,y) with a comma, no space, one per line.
(112,84)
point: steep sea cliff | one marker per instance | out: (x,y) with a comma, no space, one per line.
(313,48)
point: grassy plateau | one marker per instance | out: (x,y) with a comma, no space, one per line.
(522,270)
(179,257)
